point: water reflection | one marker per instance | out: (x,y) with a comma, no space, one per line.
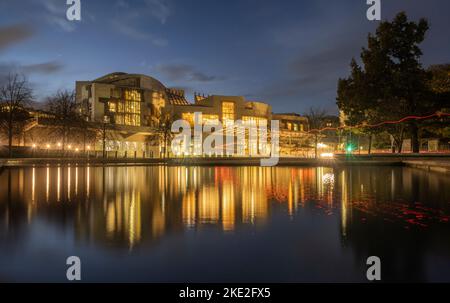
(123,207)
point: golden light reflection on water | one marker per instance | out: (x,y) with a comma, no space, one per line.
(127,205)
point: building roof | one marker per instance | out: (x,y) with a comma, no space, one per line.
(176,97)
(145,82)
(289,114)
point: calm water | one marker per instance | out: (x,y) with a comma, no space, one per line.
(220,224)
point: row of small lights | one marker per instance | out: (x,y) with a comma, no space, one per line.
(48,146)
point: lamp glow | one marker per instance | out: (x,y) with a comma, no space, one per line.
(327,155)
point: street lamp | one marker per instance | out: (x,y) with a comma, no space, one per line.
(106,120)
(33,148)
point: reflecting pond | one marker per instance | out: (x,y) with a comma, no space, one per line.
(224,224)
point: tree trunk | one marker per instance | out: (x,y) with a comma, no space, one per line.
(166,149)
(359,147)
(370,144)
(400,143)
(415,138)
(315,146)
(84,140)
(64,139)
(10,136)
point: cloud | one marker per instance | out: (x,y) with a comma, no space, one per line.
(132,18)
(316,55)
(10,35)
(314,74)
(37,73)
(159,9)
(62,23)
(137,34)
(185,72)
(122,4)
(45,68)
(56,15)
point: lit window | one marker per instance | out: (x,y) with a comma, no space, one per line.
(227,111)
(132,108)
(211,119)
(252,146)
(256,120)
(112,107)
(188,117)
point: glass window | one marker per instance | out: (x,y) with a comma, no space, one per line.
(132,107)
(227,111)
(257,120)
(127,111)
(112,107)
(212,119)
(188,117)
(205,117)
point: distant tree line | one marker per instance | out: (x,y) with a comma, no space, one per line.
(67,122)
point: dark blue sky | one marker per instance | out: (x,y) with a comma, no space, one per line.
(287,53)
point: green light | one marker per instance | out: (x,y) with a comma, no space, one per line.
(349,148)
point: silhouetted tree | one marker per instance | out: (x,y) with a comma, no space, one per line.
(392,83)
(165,131)
(439,85)
(66,111)
(316,119)
(15,94)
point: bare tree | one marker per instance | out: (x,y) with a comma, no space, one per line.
(15,94)
(66,111)
(165,132)
(316,119)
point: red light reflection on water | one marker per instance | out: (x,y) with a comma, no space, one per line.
(412,215)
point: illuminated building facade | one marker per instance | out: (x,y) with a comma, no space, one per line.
(293,138)
(131,105)
(127,113)
(227,110)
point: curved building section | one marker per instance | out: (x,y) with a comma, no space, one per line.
(124,99)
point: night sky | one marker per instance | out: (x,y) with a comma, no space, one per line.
(287,53)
